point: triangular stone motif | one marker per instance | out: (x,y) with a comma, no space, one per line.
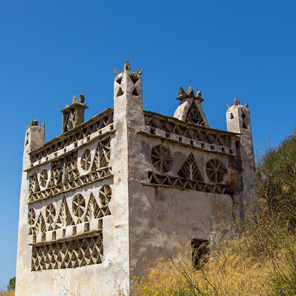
(40,225)
(194,116)
(93,210)
(64,217)
(190,170)
(120,92)
(135,93)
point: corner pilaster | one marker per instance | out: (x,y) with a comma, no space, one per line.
(35,138)
(239,121)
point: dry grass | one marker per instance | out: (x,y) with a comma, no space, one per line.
(262,263)
(232,271)
(8,293)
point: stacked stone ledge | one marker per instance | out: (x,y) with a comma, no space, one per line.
(109,193)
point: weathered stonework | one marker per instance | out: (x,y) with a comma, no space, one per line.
(109,193)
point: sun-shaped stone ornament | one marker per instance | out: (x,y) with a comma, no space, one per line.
(161,158)
(78,205)
(216,170)
(85,160)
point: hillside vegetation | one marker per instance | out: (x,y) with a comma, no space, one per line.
(261,260)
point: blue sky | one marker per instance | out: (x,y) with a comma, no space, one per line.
(52,50)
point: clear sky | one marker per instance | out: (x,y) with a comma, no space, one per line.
(52,50)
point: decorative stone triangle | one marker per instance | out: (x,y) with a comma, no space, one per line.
(40,225)
(190,108)
(194,116)
(120,92)
(93,210)
(190,170)
(64,217)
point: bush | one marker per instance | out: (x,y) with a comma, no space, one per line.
(11,285)
(276,179)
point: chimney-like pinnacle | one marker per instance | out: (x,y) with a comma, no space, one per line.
(73,115)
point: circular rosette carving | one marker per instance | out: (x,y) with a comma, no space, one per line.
(161,158)
(31,217)
(43,178)
(105,197)
(78,205)
(50,214)
(85,160)
(216,170)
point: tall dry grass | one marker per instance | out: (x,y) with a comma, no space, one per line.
(8,293)
(261,262)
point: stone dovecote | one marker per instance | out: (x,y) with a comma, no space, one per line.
(123,187)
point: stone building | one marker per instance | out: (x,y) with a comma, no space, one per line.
(124,186)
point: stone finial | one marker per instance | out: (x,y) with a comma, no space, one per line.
(227,106)
(181,91)
(190,91)
(198,94)
(127,66)
(35,123)
(74,100)
(81,99)
(116,71)
(236,102)
(140,71)
(247,105)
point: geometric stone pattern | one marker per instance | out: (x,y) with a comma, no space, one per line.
(68,254)
(64,174)
(194,116)
(84,131)
(216,170)
(189,175)
(190,170)
(80,242)
(163,180)
(86,179)
(161,158)
(68,233)
(52,218)
(188,133)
